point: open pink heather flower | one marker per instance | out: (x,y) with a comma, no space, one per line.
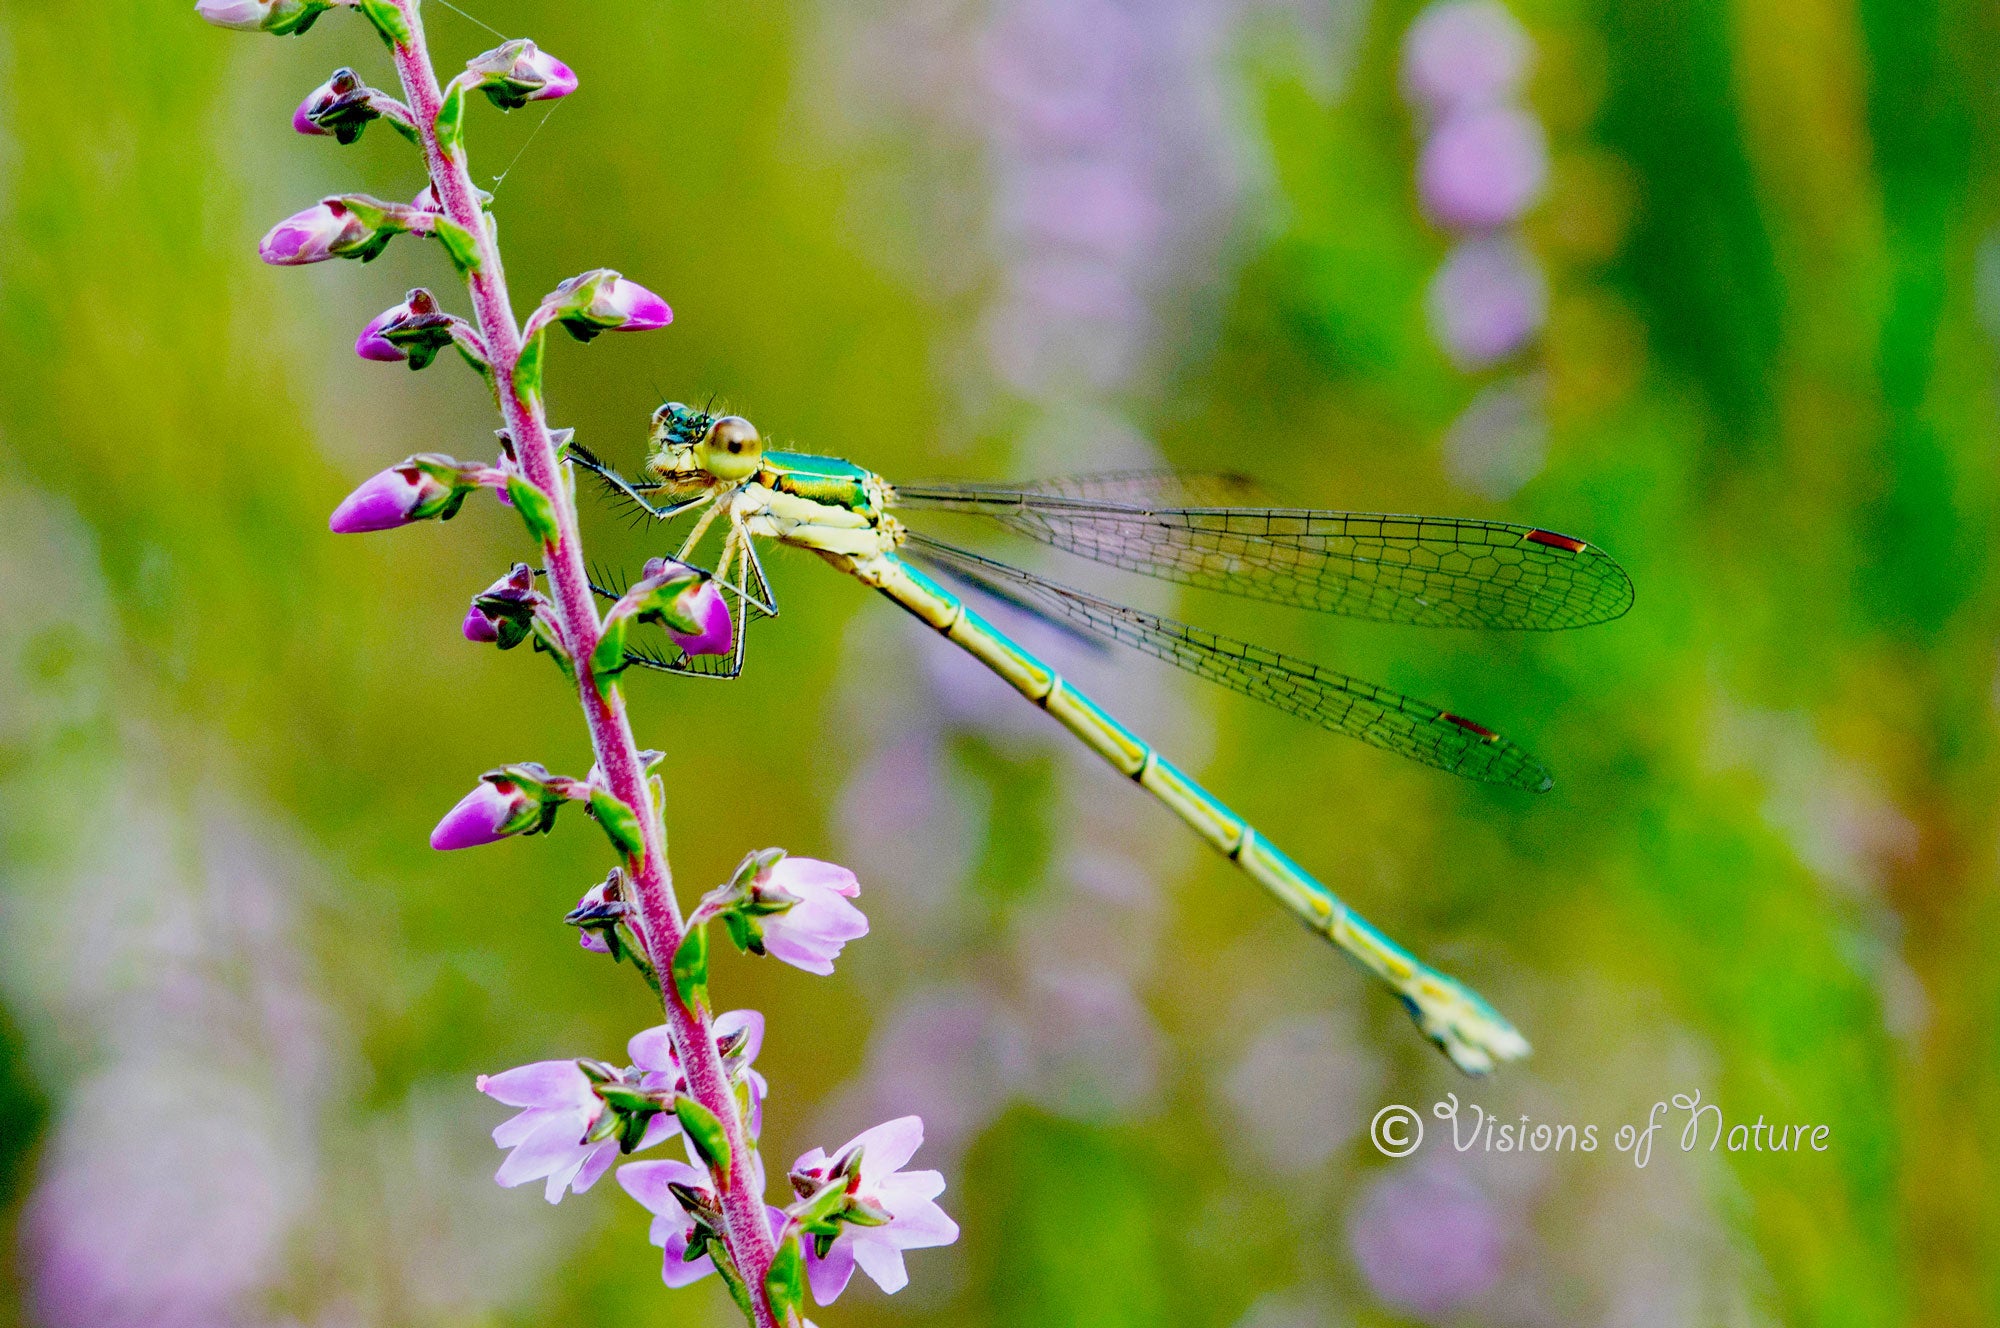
(652,1184)
(387,499)
(913,1220)
(739,1035)
(549,1139)
(811,933)
(706,607)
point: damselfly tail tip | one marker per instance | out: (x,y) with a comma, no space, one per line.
(1462,1025)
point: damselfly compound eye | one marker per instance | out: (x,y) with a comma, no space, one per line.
(734,434)
(732,449)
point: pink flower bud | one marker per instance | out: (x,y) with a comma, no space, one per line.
(414,331)
(602,301)
(276,16)
(497,808)
(478,627)
(504,612)
(328,229)
(704,605)
(390,498)
(629,307)
(247,15)
(342,106)
(518,72)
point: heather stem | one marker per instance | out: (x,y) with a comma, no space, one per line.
(747,1231)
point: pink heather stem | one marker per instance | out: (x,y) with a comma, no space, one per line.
(748,1233)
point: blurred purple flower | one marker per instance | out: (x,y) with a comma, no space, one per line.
(1487,301)
(1483,168)
(811,933)
(547,1138)
(1427,1240)
(914,1220)
(1464,53)
(707,607)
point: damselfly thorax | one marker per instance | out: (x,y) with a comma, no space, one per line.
(1197,531)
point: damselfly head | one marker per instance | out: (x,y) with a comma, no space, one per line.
(677,430)
(693,444)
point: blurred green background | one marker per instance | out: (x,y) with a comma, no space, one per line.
(242,1004)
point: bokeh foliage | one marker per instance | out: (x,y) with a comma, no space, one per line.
(1770,391)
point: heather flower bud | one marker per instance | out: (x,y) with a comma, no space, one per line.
(603,301)
(703,605)
(282,17)
(504,612)
(353,226)
(598,914)
(518,72)
(414,489)
(513,800)
(342,106)
(414,331)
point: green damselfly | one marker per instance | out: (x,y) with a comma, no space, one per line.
(1433,571)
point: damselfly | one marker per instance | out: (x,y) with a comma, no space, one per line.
(1434,571)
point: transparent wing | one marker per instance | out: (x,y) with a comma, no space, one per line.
(1427,570)
(1133,488)
(1376,715)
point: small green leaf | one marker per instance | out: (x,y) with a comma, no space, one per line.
(705,1132)
(461,244)
(607,660)
(620,822)
(450,122)
(528,368)
(785,1283)
(821,1213)
(388,21)
(742,932)
(537,509)
(691,967)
